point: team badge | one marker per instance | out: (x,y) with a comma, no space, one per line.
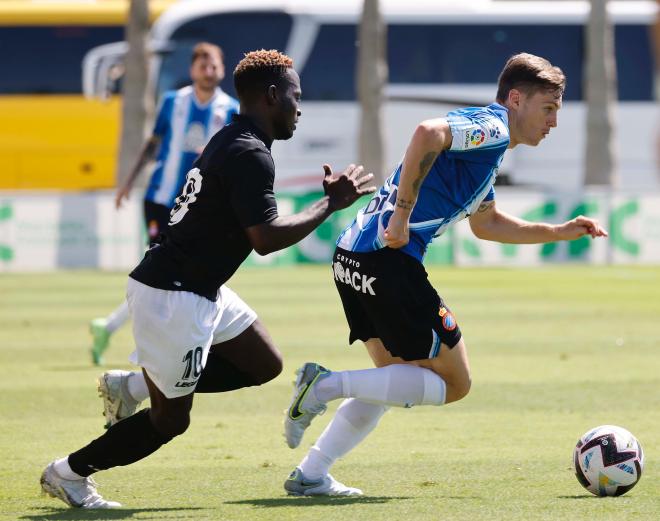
(448,320)
(153,228)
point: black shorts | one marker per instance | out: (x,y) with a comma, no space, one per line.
(386,294)
(156,217)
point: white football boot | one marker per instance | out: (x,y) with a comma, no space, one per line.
(297,485)
(79,493)
(117,401)
(305,406)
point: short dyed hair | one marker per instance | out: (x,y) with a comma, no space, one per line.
(259,69)
(204,49)
(530,74)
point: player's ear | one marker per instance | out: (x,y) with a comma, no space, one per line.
(514,98)
(272,95)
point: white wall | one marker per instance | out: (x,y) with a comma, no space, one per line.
(49,231)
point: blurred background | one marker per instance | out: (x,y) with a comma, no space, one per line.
(80,80)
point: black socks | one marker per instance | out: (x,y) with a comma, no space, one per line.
(125,442)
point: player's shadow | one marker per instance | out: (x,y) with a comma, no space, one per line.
(315,501)
(77,514)
(587,496)
(582,496)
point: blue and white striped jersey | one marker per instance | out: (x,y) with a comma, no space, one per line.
(459,180)
(184,126)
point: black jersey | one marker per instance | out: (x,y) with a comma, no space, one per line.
(229,188)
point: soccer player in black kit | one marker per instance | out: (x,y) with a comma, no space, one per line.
(192,333)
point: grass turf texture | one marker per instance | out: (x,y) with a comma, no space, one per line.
(554,352)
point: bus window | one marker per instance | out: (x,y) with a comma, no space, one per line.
(325,77)
(476,53)
(236,33)
(46,60)
(434,54)
(634,62)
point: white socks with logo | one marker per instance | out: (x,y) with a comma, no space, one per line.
(399,385)
(352,423)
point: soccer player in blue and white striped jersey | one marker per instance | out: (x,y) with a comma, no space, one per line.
(186,121)
(410,333)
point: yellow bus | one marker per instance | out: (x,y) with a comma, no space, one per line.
(50,136)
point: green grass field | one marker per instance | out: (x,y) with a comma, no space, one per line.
(554,352)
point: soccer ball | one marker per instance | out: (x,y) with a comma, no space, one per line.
(608,460)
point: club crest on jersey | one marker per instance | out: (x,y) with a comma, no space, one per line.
(354,279)
(153,228)
(448,320)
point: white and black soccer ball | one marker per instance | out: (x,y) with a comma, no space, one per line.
(608,460)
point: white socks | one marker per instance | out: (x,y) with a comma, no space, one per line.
(400,385)
(137,386)
(117,318)
(352,423)
(64,470)
(369,393)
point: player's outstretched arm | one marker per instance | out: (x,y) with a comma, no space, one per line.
(491,224)
(147,154)
(341,191)
(429,139)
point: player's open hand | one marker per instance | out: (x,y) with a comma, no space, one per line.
(580,226)
(396,234)
(346,188)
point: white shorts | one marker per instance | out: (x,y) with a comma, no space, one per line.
(173,331)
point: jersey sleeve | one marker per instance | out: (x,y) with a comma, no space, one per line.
(252,197)
(478,131)
(164,114)
(490,196)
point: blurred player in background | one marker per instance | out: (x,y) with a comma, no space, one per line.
(187,119)
(192,333)
(410,333)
